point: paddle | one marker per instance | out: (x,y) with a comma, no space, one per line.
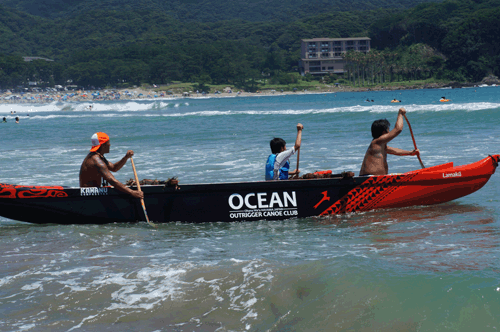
(139,188)
(298,157)
(414,143)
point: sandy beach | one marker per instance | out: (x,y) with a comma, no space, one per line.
(81,95)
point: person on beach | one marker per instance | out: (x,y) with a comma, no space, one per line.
(277,165)
(375,161)
(95,168)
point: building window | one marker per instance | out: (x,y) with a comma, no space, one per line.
(362,42)
(338,49)
(312,56)
(324,50)
(325,55)
(330,68)
(350,42)
(324,44)
(314,63)
(338,54)
(337,43)
(314,69)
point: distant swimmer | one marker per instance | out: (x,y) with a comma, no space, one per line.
(90,107)
(395,101)
(4,120)
(17,119)
(444,100)
(375,161)
(95,168)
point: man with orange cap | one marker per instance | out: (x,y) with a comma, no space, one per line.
(95,168)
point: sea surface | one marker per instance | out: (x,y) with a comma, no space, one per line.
(425,268)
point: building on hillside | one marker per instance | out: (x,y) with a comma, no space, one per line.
(321,56)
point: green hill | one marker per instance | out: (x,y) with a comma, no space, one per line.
(208,10)
(454,39)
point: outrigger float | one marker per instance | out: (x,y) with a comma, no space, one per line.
(246,201)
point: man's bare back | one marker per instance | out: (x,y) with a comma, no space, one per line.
(92,167)
(375,161)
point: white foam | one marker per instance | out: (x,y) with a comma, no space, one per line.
(132,107)
(35,285)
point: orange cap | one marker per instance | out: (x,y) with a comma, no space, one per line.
(98,139)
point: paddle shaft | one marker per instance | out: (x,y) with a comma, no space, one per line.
(296,175)
(139,189)
(298,159)
(414,143)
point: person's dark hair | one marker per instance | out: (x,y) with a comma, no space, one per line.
(277,144)
(379,126)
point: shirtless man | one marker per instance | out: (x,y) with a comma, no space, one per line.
(375,162)
(95,167)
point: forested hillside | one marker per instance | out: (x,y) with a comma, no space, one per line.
(29,35)
(208,10)
(466,32)
(455,39)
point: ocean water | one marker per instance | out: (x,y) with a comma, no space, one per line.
(425,268)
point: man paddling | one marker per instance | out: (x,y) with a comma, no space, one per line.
(375,161)
(277,165)
(95,168)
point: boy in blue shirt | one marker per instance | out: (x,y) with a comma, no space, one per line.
(277,165)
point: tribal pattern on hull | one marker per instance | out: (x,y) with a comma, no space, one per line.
(15,191)
(367,195)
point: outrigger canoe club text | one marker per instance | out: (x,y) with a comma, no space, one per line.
(259,205)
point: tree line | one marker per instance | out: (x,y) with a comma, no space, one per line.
(208,10)
(455,40)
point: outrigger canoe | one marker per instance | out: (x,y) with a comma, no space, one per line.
(246,201)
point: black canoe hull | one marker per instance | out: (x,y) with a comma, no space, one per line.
(246,201)
(224,202)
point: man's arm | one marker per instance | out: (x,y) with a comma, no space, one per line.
(283,157)
(117,166)
(298,140)
(106,174)
(398,128)
(401,152)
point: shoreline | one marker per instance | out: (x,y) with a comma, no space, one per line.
(140,94)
